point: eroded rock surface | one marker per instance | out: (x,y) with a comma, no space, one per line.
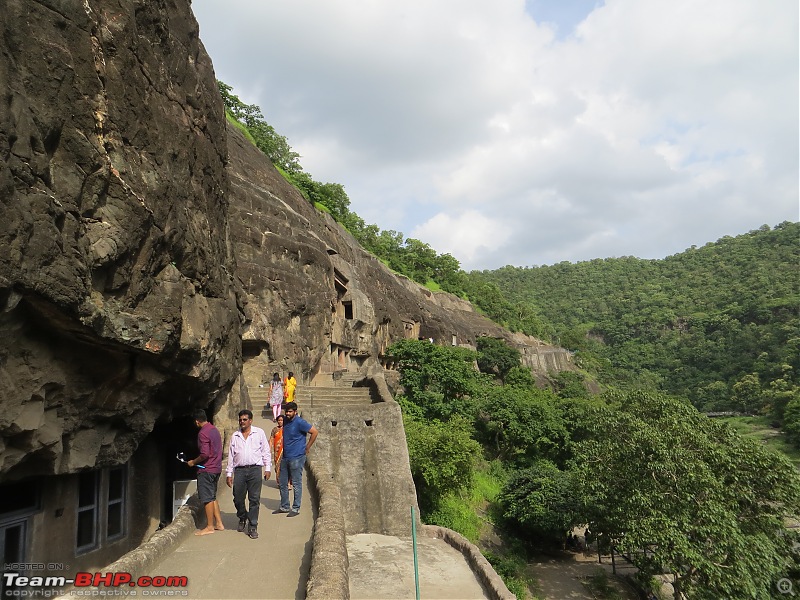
(118,303)
(318,302)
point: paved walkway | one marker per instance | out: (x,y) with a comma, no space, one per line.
(382,567)
(229,565)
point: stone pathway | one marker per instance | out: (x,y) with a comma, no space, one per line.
(382,567)
(229,565)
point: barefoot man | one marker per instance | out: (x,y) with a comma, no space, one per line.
(209,442)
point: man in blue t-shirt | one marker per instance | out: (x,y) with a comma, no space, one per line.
(295,448)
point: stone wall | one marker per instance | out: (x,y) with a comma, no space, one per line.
(362,449)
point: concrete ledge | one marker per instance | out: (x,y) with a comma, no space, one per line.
(328,575)
(492,582)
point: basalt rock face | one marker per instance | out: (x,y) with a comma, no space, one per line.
(317,302)
(118,307)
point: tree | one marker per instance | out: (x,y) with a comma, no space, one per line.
(275,146)
(495,356)
(569,384)
(441,380)
(705,504)
(522,425)
(442,457)
(543,501)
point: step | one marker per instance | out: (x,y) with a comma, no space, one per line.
(333,395)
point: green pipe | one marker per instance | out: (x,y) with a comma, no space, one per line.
(414,543)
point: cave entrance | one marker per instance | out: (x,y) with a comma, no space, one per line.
(171,438)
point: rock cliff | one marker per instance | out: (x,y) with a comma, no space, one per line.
(118,301)
(317,302)
(148,248)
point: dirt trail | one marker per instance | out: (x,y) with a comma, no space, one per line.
(560,576)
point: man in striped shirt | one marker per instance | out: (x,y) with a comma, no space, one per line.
(248,457)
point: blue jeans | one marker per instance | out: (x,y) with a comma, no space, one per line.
(291,467)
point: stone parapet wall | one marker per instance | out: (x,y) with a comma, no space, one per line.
(492,582)
(328,577)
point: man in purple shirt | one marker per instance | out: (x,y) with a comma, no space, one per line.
(248,456)
(209,442)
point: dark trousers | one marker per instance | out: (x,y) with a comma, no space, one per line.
(247,480)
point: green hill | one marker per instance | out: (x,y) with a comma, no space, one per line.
(717,324)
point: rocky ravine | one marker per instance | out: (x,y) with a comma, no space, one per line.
(145,244)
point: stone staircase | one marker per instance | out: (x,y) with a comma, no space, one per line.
(338,392)
(260,399)
(310,396)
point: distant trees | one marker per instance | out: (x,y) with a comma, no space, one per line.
(719,325)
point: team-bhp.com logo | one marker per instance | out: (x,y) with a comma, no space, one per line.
(16,585)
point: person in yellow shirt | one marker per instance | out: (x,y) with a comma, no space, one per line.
(289,387)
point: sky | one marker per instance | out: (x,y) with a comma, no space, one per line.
(530,132)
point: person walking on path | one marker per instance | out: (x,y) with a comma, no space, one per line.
(289,387)
(209,442)
(276,445)
(275,395)
(248,456)
(295,449)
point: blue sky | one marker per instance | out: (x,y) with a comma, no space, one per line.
(564,14)
(529,132)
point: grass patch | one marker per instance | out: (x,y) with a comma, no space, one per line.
(232,120)
(759,429)
(488,483)
(433,286)
(512,570)
(458,514)
(600,586)
(463,512)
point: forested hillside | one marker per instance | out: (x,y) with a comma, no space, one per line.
(717,324)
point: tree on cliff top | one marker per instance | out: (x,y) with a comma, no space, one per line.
(275,146)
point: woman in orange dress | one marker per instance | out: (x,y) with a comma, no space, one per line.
(276,444)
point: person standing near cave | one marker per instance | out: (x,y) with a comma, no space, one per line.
(209,442)
(298,437)
(289,387)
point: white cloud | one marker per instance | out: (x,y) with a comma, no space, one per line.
(655,125)
(468,235)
